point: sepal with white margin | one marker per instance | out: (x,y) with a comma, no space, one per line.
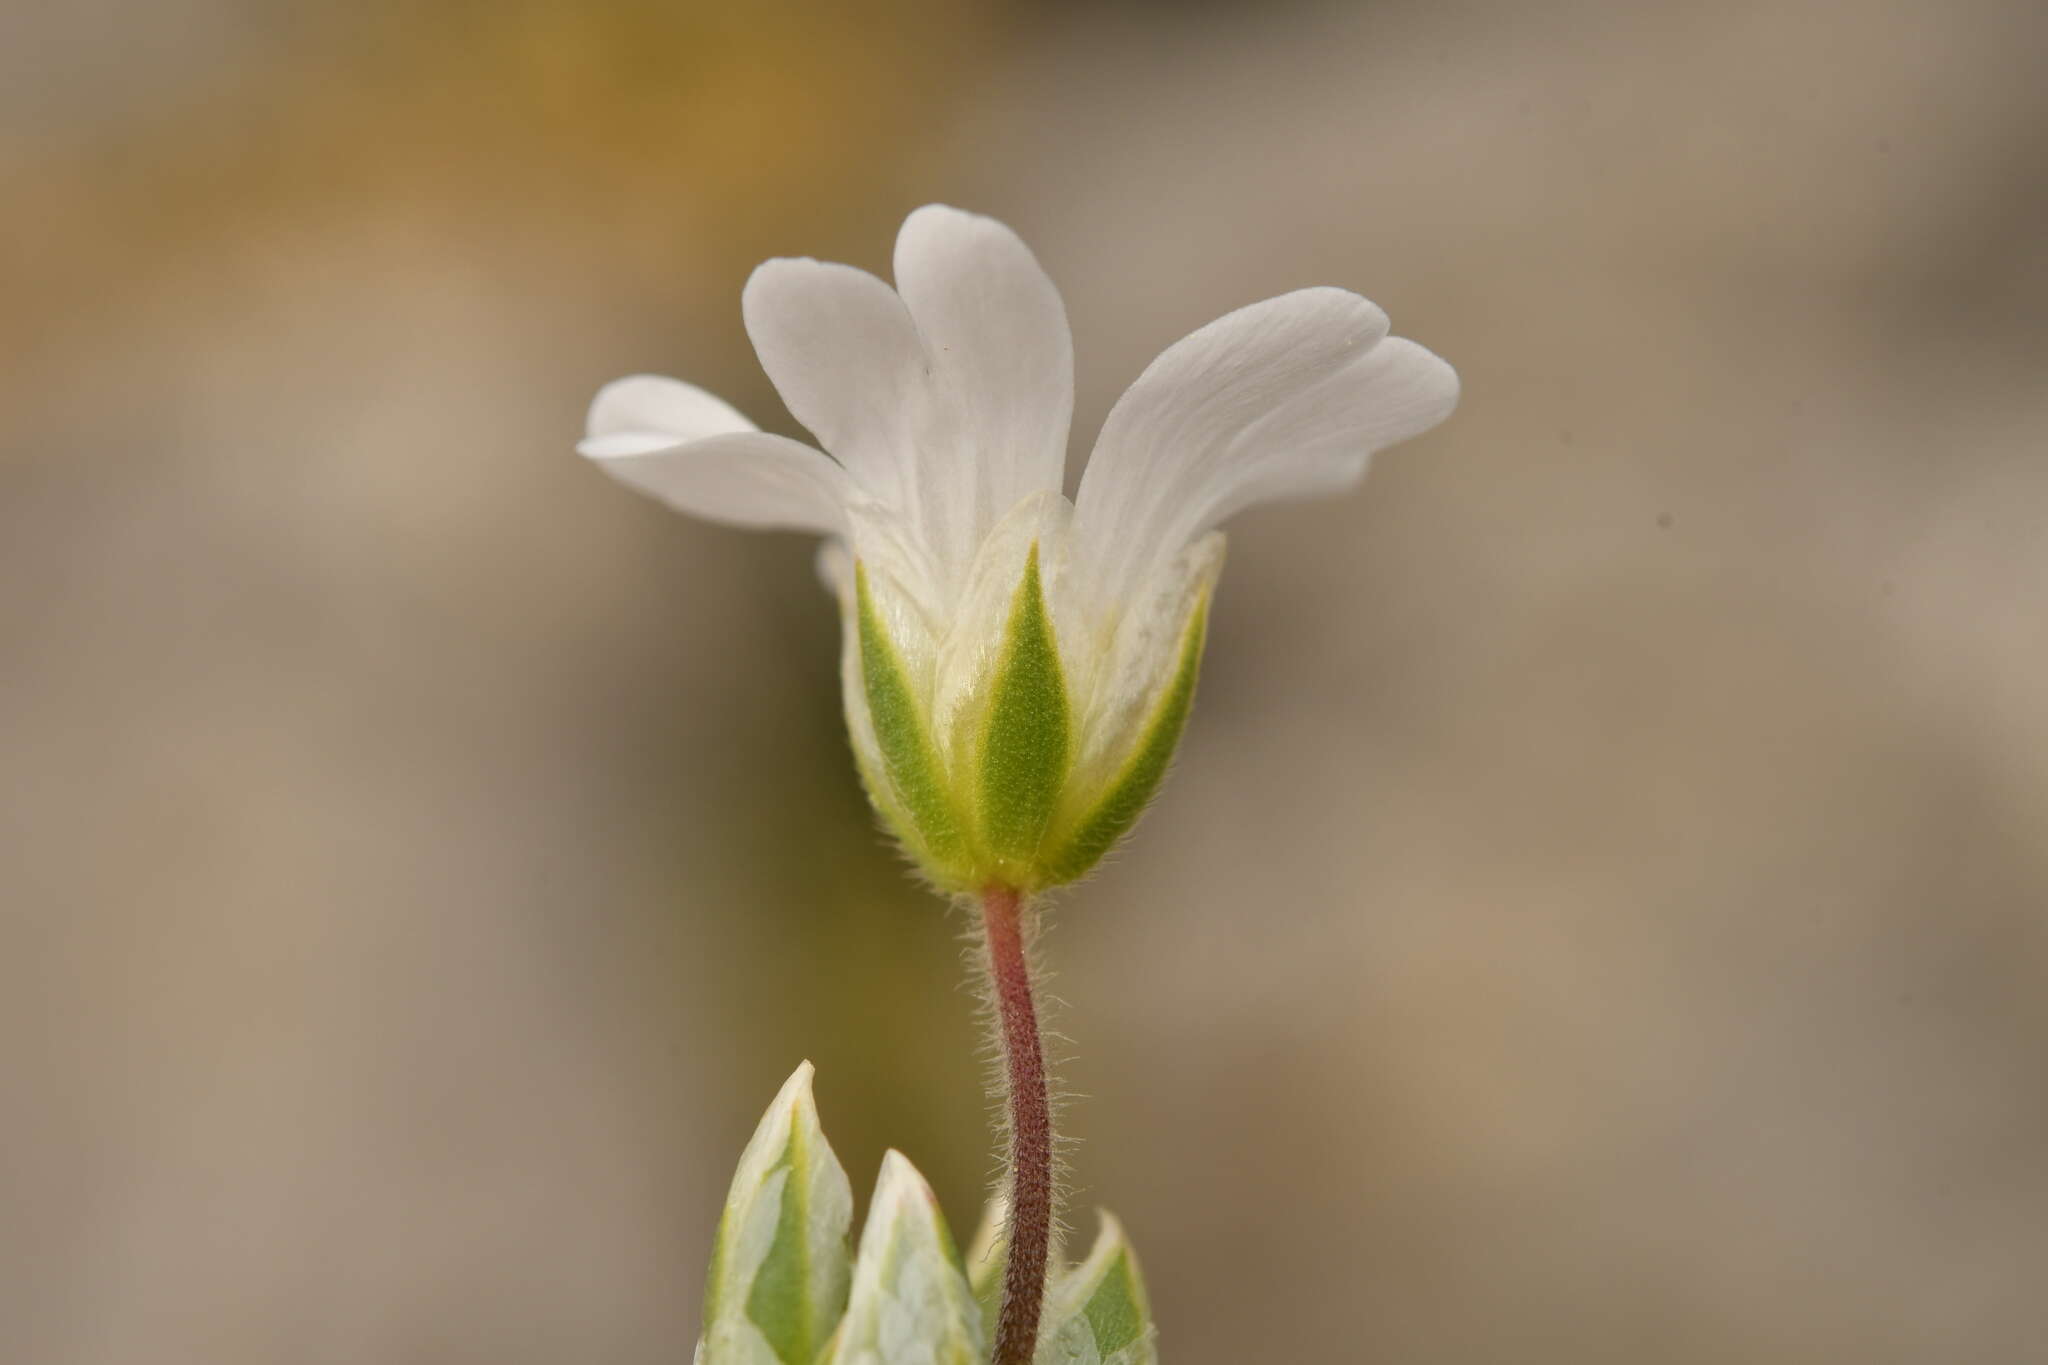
(780,1263)
(1096,1313)
(910,1301)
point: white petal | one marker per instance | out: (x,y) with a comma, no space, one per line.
(747,478)
(1320,443)
(995,333)
(1275,400)
(661,411)
(842,351)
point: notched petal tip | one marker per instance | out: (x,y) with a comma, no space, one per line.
(937,216)
(942,231)
(779,273)
(1283,399)
(1000,361)
(842,351)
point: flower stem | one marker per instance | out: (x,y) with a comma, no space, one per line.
(1030,1116)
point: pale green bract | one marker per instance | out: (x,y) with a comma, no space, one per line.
(1018,667)
(911,1304)
(778,1278)
(782,1267)
(1095,1312)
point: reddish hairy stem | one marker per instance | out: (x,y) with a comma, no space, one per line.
(1030,1230)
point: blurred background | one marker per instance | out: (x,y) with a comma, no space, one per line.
(1602,910)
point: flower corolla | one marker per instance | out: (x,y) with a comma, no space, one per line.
(1018,667)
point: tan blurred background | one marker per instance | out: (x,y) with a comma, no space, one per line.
(1599,915)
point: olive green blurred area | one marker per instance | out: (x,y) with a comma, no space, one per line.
(1601,911)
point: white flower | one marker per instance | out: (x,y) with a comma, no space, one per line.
(1018,667)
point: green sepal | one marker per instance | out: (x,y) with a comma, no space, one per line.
(921,801)
(910,1298)
(780,1263)
(1098,1313)
(1025,743)
(1080,844)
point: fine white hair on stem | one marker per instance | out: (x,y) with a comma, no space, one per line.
(1058,1049)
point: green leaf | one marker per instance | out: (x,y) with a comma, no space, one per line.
(910,1297)
(910,761)
(779,1266)
(1025,747)
(1098,1313)
(1112,814)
